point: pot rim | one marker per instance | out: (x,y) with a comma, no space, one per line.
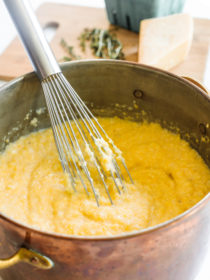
(168,223)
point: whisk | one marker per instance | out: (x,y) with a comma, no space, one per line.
(80,139)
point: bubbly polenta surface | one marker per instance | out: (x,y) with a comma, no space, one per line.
(169,177)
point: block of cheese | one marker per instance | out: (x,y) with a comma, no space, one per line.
(165,42)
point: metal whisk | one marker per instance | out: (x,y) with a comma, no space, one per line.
(80,139)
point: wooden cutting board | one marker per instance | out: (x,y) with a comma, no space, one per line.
(71,21)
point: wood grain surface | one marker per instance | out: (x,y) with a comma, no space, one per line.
(72,20)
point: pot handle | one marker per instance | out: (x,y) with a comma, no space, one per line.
(195,82)
(28,256)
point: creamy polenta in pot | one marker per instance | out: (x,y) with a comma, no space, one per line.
(169,178)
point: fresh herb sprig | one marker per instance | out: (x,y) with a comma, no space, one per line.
(69,50)
(104,43)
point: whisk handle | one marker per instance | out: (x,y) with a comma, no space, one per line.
(33,38)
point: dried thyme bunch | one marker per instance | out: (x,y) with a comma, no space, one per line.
(104,43)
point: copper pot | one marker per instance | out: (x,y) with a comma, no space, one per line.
(172,250)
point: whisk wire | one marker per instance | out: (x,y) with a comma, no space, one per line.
(58,127)
(67,109)
(57,138)
(89,116)
(80,106)
(83,136)
(79,152)
(89,145)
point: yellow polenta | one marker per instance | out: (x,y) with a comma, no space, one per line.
(169,177)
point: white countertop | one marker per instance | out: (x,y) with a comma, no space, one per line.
(197,8)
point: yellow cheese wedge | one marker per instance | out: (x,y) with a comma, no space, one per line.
(166,41)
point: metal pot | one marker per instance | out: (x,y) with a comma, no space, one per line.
(172,250)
